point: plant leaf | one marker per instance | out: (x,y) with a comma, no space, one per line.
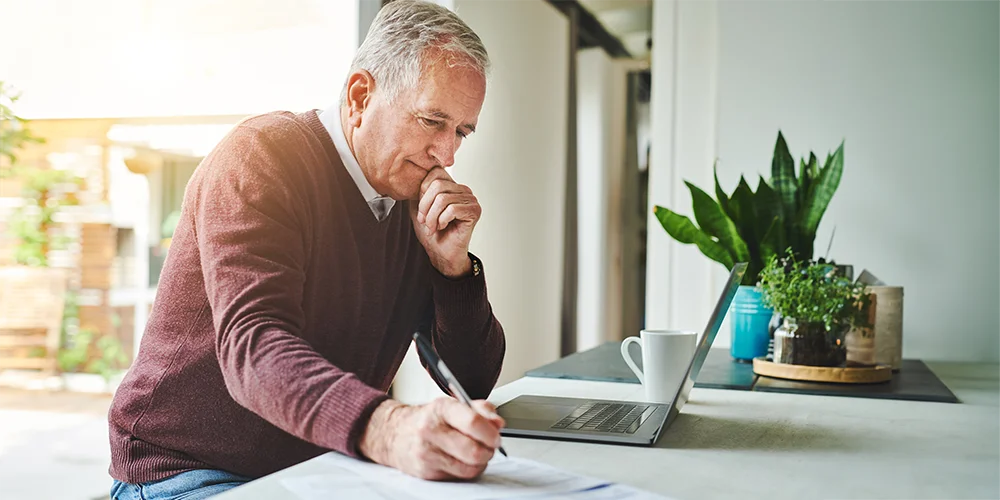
(805,178)
(719,193)
(772,243)
(822,192)
(683,230)
(744,215)
(769,207)
(768,200)
(783,175)
(716,223)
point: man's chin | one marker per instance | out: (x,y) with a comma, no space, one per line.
(409,191)
(405,193)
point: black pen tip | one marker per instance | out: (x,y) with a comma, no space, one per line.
(502,452)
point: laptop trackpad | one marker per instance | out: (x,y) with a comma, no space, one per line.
(536,408)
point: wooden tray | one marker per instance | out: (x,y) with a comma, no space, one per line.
(838,375)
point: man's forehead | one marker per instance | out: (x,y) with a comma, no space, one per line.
(448,104)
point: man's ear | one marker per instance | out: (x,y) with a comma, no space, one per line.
(360,87)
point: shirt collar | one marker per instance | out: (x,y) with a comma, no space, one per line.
(330,118)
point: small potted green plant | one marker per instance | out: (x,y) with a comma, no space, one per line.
(818,306)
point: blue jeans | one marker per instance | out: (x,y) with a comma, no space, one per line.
(190,485)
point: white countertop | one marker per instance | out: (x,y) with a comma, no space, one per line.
(739,444)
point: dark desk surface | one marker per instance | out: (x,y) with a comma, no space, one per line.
(604,363)
(913,382)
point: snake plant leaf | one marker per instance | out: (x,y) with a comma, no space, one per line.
(771,244)
(822,192)
(807,170)
(739,203)
(744,213)
(768,199)
(782,214)
(783,175)
(769,207)
(773,241)
(805,178)
(719,193)
(683,230)
(716,223)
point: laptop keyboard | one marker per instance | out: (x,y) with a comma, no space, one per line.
(604,417)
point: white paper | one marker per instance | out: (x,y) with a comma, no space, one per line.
(333,487)
(609,492)
(504,478)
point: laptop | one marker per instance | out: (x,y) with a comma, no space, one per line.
(621,422)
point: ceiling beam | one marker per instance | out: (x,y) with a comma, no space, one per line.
(602,5)
(623,21)
(591,32)
(637,44)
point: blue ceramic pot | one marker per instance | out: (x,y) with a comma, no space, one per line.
(749,319)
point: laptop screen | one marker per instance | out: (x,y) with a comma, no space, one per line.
(711,330)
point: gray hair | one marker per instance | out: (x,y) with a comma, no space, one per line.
(399,38)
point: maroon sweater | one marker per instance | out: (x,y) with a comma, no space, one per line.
(283,312)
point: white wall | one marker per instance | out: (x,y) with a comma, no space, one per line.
(913,88)
(601,105)
(516,165)
(679,291)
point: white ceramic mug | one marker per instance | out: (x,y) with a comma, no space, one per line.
(666,355)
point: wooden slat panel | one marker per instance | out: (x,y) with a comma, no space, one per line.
(31,296)
(96,318)
(31,300)
(22,340)
(28,363)
(21,326)
(25,330)
(97,252)
(24,352)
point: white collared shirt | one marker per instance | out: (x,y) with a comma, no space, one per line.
(380,205)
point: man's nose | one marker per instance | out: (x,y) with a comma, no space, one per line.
(443,148)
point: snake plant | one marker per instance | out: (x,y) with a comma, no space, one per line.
(753,226)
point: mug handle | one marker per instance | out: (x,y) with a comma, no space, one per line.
(628,357)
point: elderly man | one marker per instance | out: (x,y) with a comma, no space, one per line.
(311,246)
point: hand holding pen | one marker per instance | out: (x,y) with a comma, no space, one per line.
(446,439)
(445,377)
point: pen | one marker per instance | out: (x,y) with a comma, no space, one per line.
(443,373)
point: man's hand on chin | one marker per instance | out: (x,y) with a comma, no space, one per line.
(443,220)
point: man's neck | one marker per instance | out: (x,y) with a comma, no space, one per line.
(349,136)
(349,133)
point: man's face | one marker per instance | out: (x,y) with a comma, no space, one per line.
(397,143)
